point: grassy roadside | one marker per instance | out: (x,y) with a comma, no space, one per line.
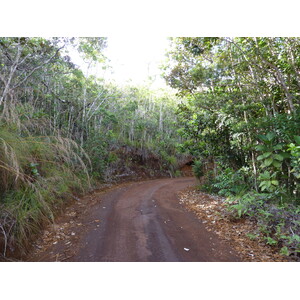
(39,175)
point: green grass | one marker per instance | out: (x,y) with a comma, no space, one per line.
(39,174)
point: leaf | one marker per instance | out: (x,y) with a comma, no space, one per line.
(265,175)
(267,154)
(279,157)
(263,138)
(284,251)
(271,241)
(270,136)
(296,237)
(268,162)
(297,139)
(260,147)
(278,147)
(277,164)
(275,182)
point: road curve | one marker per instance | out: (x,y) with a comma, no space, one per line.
(144,222)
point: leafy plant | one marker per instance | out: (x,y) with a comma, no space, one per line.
(270,241)
(294,149)
(268,181)
(229,182)
(252,236)
(272,155)
(198,168)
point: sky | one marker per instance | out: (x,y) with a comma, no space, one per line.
(132,59)
(136,57)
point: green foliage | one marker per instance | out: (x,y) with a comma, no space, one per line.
(239,106)
(228,182)
(58,126)
(271,241)
(252,236)
(198,168)
(36,172)
(294,149)
(273,155)
(278,223)
(177,173)
(243,109)
(268,182)
(284,251)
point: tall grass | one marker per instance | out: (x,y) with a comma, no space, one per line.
(38,174)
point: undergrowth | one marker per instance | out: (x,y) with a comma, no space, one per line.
(38,175)
(276,214)
(278,223)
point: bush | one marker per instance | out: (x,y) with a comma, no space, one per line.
(227,183)
(280,224)
(37,173)
(198,168)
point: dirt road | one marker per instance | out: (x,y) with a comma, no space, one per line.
(144,221)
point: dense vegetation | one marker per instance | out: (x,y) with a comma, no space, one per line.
(62,131)
(243,120)
(236,112)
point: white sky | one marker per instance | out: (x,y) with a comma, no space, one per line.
(136,58)
(132,59)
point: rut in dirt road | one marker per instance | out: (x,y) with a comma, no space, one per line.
(145,222)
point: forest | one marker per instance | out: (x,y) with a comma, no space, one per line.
(234,112)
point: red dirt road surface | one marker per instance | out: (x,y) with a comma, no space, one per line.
(143,222)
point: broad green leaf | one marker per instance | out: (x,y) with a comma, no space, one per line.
(265,175)
(277,164)
(268,162)
(260,148)
(270,136)
(267,154)
(279,157)
(297,139)
(275,182)
(263,138)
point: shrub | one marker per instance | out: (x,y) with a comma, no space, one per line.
(198,168)
(37,173)
(279,223)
